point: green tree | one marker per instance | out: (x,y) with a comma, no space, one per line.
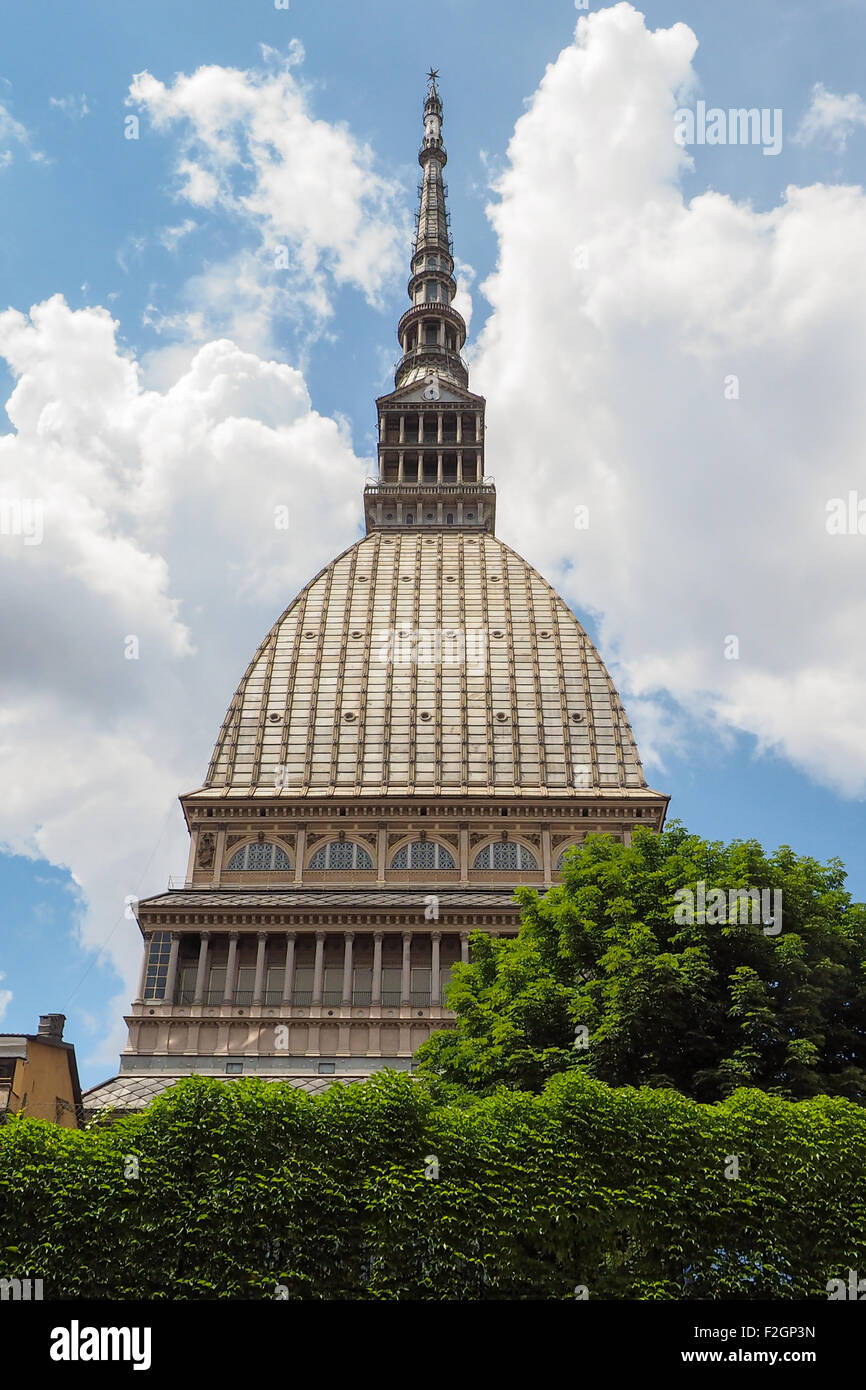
(378,1191)
(605,976)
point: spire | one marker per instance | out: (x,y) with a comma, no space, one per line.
(432,283)
(431,426)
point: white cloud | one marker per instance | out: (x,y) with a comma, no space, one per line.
(831,118)
(249,145)
(74,106)
(619,310)
(6,997)
(159,523)
(172,236)
(15,137)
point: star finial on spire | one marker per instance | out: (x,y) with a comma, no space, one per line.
(432,75)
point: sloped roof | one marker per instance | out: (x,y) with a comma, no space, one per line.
(130,1091)
(352,691)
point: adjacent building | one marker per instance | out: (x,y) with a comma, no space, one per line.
(39,1074)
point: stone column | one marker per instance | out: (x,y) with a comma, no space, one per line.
(545,855)
(440,427)
(439,463)
(459,427)
(376,996)
(435,993)
(381,851)
(289,975)
(231,968)
(459,463)
(193,853)
(407,968)
(171,977)
(348,938)
(402,429)
(464,946)
(400,462)
(259,981)
(464,853)
(201,973)
(219,855)
(142,974)
(300,852)
(319,967)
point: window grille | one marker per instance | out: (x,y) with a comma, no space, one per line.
(341,854)
(423,854)
(505,855)
(156,975)
(257,858)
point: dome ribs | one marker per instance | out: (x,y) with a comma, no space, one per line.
(567,750)
(227,730)
(337,725)
(365,664)
(255,768)
(385,775)
(589,717)
(536,679)
(317,671)
(239,702)
(326,656)
(615,713)
(300,614)
(513,708)
(464,694)
(437,712)
(488,683)
(413,682)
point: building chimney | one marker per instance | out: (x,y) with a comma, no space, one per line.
(51,1026)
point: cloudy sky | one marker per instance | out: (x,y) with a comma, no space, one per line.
(204,250)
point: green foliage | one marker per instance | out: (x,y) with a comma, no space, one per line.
(700,1007)
(246,1186)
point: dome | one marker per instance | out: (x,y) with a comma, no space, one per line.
(423,664)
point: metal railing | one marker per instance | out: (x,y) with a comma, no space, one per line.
(373,489)
(361,998)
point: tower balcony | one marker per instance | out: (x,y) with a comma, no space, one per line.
(429,309)
(428,357)
(434,489)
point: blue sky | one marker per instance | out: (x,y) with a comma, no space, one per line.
(102,221)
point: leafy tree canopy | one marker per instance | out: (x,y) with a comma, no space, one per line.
(253,1190)
(613,974)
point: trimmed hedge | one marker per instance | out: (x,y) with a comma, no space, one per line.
(254,1190)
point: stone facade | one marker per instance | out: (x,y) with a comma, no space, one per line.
(425,727)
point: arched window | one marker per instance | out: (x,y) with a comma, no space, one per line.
(410,518)
(256,857)
(423,854)
(561,860)
(341,854)
(506,855)
(449,520)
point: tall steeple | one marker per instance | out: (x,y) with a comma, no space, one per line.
(431,427)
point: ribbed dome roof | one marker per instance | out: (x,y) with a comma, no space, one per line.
(330,706)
